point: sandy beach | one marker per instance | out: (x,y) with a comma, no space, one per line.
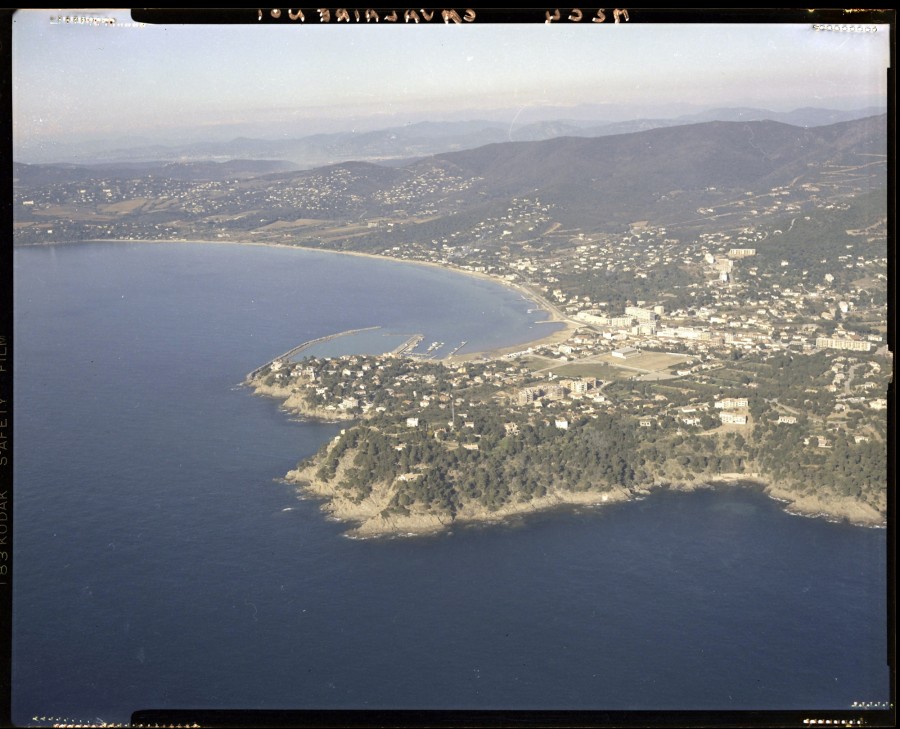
(555,337)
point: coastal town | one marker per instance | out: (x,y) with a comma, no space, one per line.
(737,334)
(774,373)
(703,414)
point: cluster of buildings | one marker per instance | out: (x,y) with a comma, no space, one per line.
(418,194)
(735,300)
(727,296)
(854,345)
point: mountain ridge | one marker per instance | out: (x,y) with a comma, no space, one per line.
(427,137)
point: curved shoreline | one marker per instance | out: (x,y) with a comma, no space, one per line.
(811,506)
(555,337)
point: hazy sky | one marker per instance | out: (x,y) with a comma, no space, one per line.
(76,81)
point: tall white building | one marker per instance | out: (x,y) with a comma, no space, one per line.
(733,418)
(730,403)
(856,345)
(640,313)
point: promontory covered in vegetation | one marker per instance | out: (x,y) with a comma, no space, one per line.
(430,443)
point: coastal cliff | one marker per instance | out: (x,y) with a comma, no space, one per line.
(294,401)
(386,507)
(372,515)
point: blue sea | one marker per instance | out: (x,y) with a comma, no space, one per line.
(160,563)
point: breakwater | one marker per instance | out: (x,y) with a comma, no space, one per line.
(408,346)
(305,345)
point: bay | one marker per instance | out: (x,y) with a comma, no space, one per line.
(159,563)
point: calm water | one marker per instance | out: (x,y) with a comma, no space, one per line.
(159,564)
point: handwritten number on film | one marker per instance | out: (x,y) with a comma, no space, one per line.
(576,16)
(369,15)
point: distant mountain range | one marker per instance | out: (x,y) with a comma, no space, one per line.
(46,174)
(423,139)
(599,183)
(630,176)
